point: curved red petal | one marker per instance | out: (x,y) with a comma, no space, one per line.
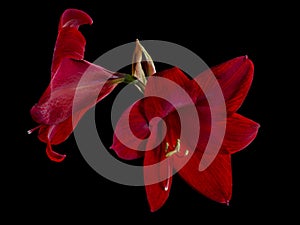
(158,167)
(195,140)
(57,102)
(124,152)
(158,177)
(215,182)
(56,134)
(74,18)
(131,129)
(234,77)
(176,75)
(240,132)
(173,87)
(54,156)
(157,193)
(70,43)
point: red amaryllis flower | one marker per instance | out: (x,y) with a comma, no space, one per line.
(57,111)
(215,182)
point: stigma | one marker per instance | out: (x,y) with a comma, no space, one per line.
(176,149)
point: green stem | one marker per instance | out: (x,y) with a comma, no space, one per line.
(129,79)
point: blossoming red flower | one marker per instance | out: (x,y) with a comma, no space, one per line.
(215,182)
(56,111)
(77,85)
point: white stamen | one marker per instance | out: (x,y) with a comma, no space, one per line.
(166,188)
(33,129)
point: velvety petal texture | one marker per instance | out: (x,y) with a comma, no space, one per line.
(131,129)
(57,102)
(215,182)
(70,43)
(157,192)
(234,77)
(152,127)
(75,86)
(240,132)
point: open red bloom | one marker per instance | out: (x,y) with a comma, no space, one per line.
(215,182)
(57,111)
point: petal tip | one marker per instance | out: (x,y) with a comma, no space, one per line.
(54,156)
(60,159)
(74,17)
(153,209)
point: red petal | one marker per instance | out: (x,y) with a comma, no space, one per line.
(53,135)
(240,132)
(234,77)
(132,132)
(70,42)
(74,18)
(158,193)
(56,134)
(57,102)
(215,182)
(158,177)
(54,156)
(174,87)
(196,137)
(156,168)
(176,75)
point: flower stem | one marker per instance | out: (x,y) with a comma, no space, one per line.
(140,86)
(128,79)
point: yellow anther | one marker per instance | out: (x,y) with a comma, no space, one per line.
(167,147)
(176,150)
(177,147)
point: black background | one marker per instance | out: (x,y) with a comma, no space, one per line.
(41,190)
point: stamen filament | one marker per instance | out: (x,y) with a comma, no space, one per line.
(166,188)
(33,129)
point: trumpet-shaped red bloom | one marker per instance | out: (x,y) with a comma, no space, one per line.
(215,182)
(57,111)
